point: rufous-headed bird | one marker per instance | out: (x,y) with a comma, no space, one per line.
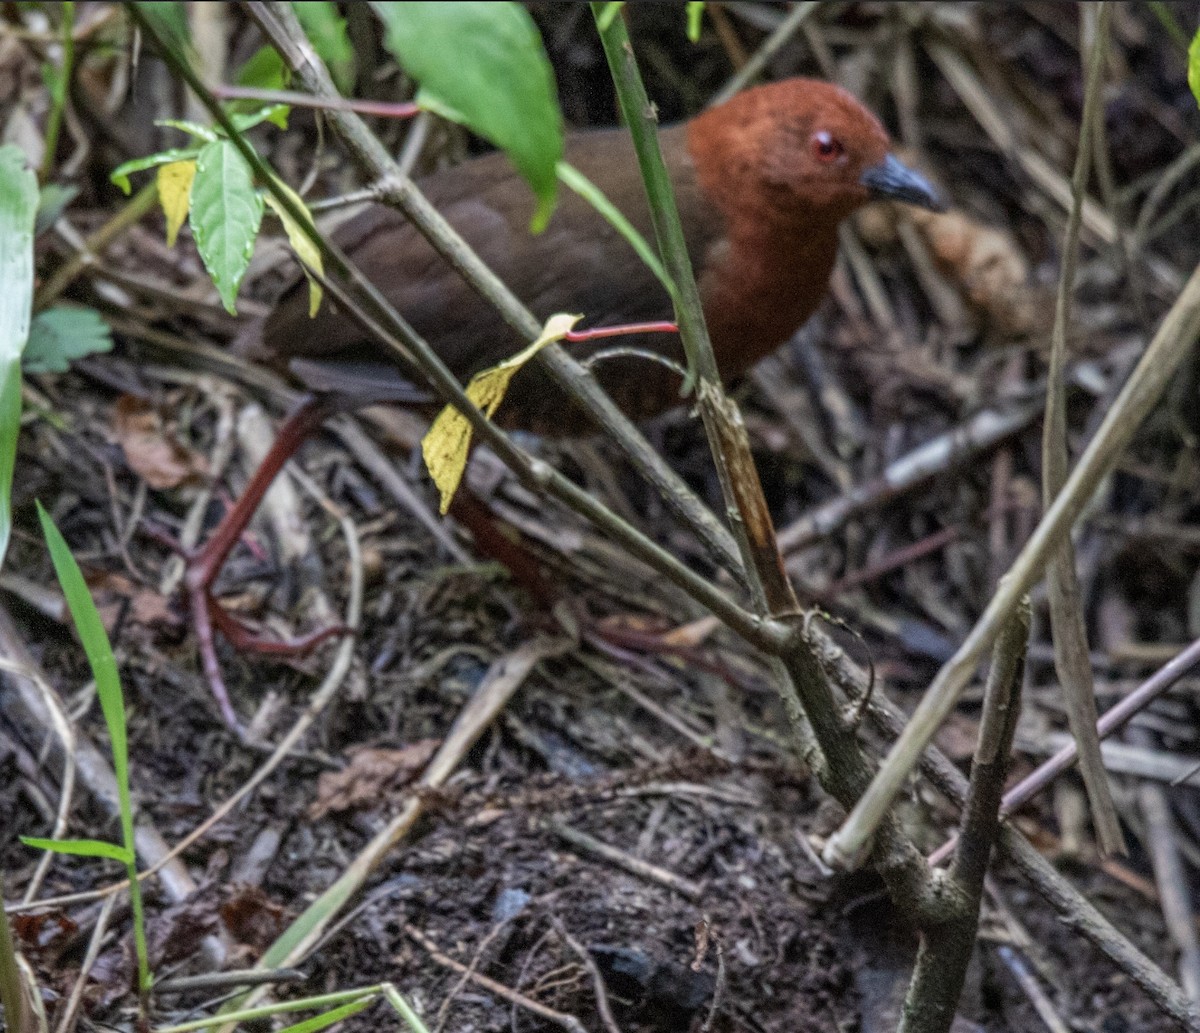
(762,182)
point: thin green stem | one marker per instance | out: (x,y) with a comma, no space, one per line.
(276,1008)
(397,1001)
(60,89)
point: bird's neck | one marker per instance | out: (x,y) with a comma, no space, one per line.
(762,284)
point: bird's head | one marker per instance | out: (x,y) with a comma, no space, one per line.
(799,150)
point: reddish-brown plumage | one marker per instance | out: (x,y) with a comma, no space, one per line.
(761,182)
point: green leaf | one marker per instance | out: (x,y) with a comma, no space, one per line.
(225,216)
(191,128)
(307,251)
(276,114)
(264,70)
(1194,66)
(328,1018)
(80,848)
(120,175)
(695,15)
(483,64)
(585,188)
(18,209)
(98,649)
(62,333)
(326,30)
(170,20)
(606,16)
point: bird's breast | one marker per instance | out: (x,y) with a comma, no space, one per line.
(760,289)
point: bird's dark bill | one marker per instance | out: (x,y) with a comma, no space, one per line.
(895,180)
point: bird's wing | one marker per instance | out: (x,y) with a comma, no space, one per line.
(579,264)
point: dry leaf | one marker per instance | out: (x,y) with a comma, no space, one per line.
(446,446)
(151,451)
(986,266)
(371,774)
(253,918)
(113,591)
(174,182)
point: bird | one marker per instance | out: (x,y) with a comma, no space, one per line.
(762,182)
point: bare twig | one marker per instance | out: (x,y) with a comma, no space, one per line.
(593,970)
(280,26)
(1073,909)
(946,951)
(769,48)
(962,444)
(1175,337)
(504,677)
(1175,897)
(568,1022)
(1071,657)
(634,865)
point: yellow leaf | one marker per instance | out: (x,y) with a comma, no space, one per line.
(308,252)
(175,194)
(448,442)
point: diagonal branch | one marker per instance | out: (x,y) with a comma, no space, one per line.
(278,23)
(1176,335)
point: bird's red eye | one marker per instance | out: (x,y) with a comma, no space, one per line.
(825,147)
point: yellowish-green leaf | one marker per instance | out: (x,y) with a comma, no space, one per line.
(1193,66)
(447,443)
(308,252)
(175,194)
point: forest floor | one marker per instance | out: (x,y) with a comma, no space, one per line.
(637,816)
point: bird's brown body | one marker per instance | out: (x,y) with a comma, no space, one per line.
(761,182)
(760,206)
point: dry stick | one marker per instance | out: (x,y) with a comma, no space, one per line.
(66,1021)
(66,785)
(320,699)
(1113,720)
(633,865)
(537,475)
(1175,337)
(1032,989)
(278,23)
(593,970)
(568,1022)
(1073,909)
(1175,898)
(982,431)
(135,208)
(1071,657)
(770,588)
(1065,893)
(981,102)
(805,691)
(942,959)
(27,711)
(770,47)
(1079,912)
